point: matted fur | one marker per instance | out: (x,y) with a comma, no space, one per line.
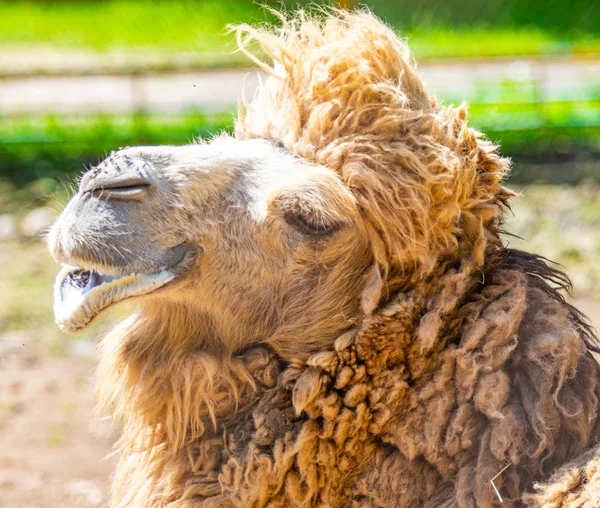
(372,420)
(467,363)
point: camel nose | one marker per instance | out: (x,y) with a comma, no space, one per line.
(118,177)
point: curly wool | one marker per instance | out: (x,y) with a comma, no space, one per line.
(372,422)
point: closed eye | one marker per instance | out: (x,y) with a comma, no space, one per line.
(310,226)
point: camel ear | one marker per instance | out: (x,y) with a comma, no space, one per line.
(371,295)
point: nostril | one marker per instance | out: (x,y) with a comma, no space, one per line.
(128,188)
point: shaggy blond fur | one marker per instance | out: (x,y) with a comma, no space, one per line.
(457,361)
(343,93)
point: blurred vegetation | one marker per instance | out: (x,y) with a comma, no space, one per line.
(164,26)
(450,29)
(573,17)
(467,28)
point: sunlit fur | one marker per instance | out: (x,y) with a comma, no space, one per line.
(344,93)
(404,362)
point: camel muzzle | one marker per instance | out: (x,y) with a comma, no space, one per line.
(104,241)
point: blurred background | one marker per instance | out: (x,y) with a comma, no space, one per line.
(81,78)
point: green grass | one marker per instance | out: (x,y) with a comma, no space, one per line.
(455,28)
(566,18)
(179,25)
(468,42)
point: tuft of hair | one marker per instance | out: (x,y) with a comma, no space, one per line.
(342,91)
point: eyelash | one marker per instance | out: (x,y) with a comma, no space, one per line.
(306,227)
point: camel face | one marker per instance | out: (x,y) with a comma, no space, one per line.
(241,234)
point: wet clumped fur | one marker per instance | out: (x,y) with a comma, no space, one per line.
(467,361)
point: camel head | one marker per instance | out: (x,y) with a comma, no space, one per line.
(345,183)
(240,239)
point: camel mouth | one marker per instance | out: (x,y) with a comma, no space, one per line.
(83,290)
(80,294)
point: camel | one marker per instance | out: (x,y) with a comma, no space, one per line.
(326,312)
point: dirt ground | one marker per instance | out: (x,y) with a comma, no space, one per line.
(53,449)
